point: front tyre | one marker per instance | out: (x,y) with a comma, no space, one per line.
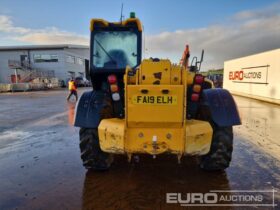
(91,154)
(220,153)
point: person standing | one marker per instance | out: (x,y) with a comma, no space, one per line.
(72,89)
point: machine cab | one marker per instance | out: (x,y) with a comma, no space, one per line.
(113,46)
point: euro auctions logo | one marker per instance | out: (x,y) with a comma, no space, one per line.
(236,75)
(252,74)
(245,198)
(240,75)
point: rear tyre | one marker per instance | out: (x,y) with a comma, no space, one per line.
(220,153)
(91,154)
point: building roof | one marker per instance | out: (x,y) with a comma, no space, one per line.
(256,54)
(43,47)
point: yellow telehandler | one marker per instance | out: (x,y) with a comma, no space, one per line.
(149,106)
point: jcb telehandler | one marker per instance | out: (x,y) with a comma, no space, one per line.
(150,106)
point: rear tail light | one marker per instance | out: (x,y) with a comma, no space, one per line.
(112,79)
(114,88)
(199,79)
(195,97)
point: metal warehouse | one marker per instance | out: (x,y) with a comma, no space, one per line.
(24,63)
(254,76)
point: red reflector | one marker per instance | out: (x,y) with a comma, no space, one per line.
(198,79)
(112,79)
(195,97)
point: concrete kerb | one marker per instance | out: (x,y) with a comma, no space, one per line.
(5,88)
(27,87)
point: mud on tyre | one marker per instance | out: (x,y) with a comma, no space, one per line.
(221,148)
(91,154)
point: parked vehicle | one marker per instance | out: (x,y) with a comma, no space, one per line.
(82,82)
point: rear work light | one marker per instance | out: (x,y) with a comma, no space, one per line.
(116,96)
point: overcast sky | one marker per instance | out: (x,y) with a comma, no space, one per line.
(225,29)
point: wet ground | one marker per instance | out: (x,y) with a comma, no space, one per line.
(40,166)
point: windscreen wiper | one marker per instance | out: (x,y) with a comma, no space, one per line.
(112,59)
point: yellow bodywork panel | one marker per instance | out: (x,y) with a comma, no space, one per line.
(104,23)
(176,75)
(190,77)
(194,138)
(151,105)
(157,73)
(198,137)
(133,20)
(111,134)
(155,140)
(155,114)
(94,22)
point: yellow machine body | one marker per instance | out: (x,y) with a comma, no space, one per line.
(155,115)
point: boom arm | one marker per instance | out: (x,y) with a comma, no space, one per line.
(185,57)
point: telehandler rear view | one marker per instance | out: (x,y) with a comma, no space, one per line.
(151,106)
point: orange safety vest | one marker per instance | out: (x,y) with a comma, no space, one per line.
(71,85)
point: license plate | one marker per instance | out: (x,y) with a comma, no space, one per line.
(158,100)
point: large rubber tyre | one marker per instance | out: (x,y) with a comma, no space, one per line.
(220,153)
(91,154)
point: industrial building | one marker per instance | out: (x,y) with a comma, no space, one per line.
(255,76)
(26,63)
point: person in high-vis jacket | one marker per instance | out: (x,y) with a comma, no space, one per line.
(72,89)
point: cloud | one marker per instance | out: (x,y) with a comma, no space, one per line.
(267,12)
(6,25)
(245,33)
(53,36)
(48,35)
